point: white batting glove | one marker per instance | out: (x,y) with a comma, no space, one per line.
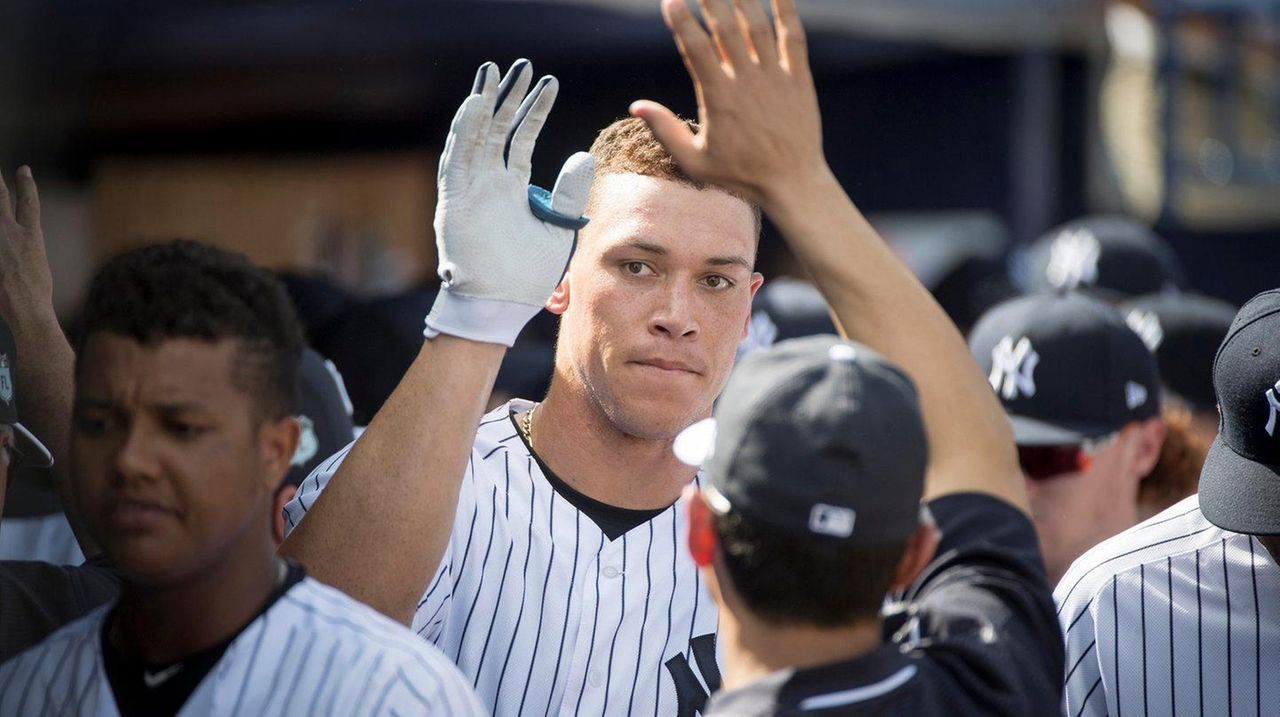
(503,244)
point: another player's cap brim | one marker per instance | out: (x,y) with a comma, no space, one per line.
(34,452)
(1035,432)
(1239,494)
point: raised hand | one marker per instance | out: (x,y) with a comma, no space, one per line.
(761,132)
(503,245)
(25,282)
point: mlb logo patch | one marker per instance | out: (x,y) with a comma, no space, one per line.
(6,380)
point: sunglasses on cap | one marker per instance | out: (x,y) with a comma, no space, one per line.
(1045,462)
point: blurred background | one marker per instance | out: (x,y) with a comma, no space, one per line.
(306,134)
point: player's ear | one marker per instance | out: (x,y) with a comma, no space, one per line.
(277,441)
(559,301)
(1147,444)
(282,498)
(757,280)
(702,534)
(921,546)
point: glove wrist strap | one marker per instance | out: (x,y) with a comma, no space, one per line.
(486,320)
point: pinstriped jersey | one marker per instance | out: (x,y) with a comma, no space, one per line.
(314,651)
(1173,616)
(543,612)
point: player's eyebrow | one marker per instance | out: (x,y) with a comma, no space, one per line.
(655,249)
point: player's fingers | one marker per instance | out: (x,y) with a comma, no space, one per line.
(569,196)
(793,47)
(528,123)
(755,24)
(670,131)
(700,56)
(28,214)
(6,209)
(511,93)
(725,31)
(464,137)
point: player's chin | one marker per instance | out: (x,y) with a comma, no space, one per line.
(150,560)
(659,415)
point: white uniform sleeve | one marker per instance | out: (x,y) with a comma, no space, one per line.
(1084,692)
(295,510)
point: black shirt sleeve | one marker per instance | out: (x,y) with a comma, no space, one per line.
(37,598)
(982,611)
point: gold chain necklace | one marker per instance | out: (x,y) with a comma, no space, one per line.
(528,424)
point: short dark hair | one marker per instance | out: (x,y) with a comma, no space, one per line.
(787,581)
(187,289)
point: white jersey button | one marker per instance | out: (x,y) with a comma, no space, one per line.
(611,572)
(595,678)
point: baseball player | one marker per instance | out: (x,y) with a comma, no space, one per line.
(800,568)
(542,549)
(182,433)
(1178,615)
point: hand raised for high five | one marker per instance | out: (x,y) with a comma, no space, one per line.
(761,132)
(25,281)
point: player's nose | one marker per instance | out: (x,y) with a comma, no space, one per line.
(675,315)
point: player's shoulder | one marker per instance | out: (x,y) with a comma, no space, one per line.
(1179,529)
(497,430)
(41,665)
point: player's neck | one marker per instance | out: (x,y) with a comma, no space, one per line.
(161,625)
(589,453)
(754,649)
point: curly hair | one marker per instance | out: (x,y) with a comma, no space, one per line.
(1176,473)
(186,289)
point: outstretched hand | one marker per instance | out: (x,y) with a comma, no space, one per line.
(25,281)
(761,132)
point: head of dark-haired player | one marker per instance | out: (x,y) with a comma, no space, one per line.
(810,512)
(183,427)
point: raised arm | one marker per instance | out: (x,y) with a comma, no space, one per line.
(381,526)
(761,135)
(46,374)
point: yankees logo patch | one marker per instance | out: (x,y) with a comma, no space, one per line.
(1013,368)
(1147,326)
(1073,259)
(1273,405)
(6,380)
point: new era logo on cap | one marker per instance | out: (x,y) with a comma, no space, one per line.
(1135,394)
(1013,368)
(832,520)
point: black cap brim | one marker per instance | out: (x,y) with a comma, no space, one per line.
(1239,494)
(1034,432)
(35,455)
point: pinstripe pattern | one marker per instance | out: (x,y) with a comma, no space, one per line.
(314,647)
(544,613)
(1165,619)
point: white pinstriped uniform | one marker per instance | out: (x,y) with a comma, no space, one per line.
(1174,616)
(315,651)
(543,612)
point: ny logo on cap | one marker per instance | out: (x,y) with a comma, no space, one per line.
(6,380)
(308,444)
(1273,405)
(1013,368)
(1147,326)
(1073,259)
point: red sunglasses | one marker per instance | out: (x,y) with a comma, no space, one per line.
(1045,462)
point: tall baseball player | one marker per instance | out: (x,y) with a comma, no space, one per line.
(182,433)
(1178,615)
(542,550)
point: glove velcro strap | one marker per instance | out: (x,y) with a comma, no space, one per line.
(540,205)
(486,320)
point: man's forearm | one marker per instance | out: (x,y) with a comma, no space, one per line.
(381,526)
(46,385)
(877,301)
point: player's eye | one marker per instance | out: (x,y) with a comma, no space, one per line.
(717,281)
(91,424)
(182,429)
(636,268)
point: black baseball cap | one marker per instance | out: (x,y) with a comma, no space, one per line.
(324,413)
(1066,367)
(35,455)
(1240,482)
(817,438)
(1184,331)
(795,307)
(1112,257)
